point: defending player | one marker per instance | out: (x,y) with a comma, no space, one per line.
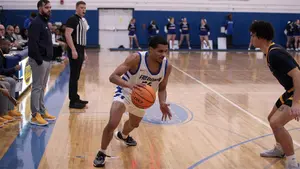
(287,107)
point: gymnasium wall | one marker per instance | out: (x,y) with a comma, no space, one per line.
(244,11)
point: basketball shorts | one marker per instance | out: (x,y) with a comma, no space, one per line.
(286,98)
(124,97)
(131,34)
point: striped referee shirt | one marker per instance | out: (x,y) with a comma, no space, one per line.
(79,29)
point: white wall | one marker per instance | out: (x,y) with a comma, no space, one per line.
(274,6)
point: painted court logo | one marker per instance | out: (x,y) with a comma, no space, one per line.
(27,72)
(180,115)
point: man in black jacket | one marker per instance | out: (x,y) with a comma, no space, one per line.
(40,51)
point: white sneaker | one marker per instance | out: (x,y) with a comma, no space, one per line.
(275,153)
(292,167)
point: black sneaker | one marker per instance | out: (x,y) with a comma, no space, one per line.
(83,101)
(76,105)
(99,159)
(128,141)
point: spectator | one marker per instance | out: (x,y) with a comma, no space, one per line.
(7,75)
(9,34)
(4,93)
(2,31)
(24,34)
(28,21)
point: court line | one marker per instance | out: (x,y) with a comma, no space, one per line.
(231,147)
(28,148)
(223,97)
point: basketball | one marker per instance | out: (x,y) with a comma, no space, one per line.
(143,97)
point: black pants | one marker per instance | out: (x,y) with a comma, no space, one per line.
(75,68)
(229,41)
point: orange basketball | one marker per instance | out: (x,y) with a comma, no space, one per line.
(143,97)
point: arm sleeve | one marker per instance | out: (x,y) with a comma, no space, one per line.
(4,71)
(33,43)
(71,23)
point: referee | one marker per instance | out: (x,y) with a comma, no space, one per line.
(75,33)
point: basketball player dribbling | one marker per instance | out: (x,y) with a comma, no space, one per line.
(286,70)
(151,68)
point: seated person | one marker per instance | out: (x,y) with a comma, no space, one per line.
(59,46)
(17,36)
(8,76)
(9,36)
(6,115)
(2,31)
(3,104)
(24,35)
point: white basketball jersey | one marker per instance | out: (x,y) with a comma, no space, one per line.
(144,75)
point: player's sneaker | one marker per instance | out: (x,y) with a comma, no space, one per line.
(99,159)
(128,141)
(275,152)
(292,167)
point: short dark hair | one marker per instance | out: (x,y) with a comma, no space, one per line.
(157,40)
(80,3)
(40,3)
(263,30)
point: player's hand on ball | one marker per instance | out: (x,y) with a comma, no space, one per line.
(165,111)
(136,86)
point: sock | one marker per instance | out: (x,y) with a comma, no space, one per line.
(291,160)
(103,151)
(278,146)
(124,136)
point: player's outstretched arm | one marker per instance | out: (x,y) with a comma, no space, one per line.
(131,63)
(162,95)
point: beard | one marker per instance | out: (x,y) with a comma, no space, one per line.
(47,15)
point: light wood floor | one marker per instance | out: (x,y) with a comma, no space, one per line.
(229,94)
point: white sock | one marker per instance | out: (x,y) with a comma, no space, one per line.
(278,146)
(103,151)
(124,136)
(291,160)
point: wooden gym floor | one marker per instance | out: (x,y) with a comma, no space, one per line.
(220,103)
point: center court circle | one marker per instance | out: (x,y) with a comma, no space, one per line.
(180,115)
